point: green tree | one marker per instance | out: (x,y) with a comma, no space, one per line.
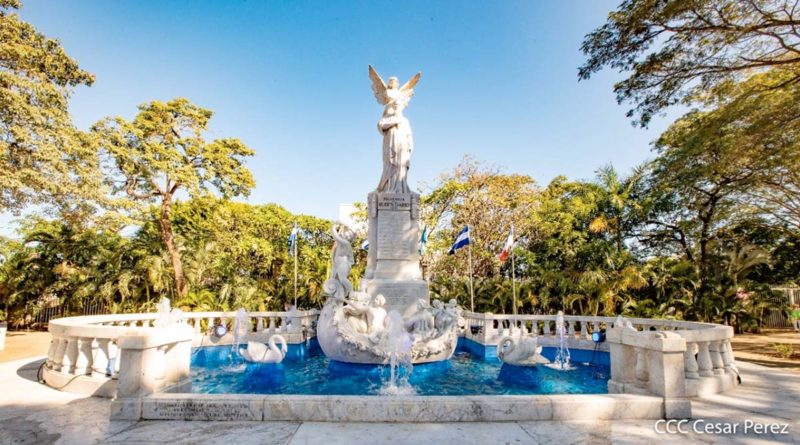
(675,50)
(43,158)
(577,257)
(710,165)
(162,152)
(485,199)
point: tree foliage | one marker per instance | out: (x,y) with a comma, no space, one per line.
(162,152)
(484,199)
(674,50)
(43,157)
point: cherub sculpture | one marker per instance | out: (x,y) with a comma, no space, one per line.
(421,322)
(398,141)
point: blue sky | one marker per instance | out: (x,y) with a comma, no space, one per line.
(290,79)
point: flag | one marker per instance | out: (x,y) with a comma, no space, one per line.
(365,245)
(423,239)
(461,240)
(507,248)
(293,237)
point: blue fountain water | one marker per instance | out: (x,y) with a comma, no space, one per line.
(310,372)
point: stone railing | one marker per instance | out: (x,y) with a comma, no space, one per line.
(670,358)
(295,327)
(85,354)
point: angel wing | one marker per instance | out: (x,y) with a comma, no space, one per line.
(409,86)
(378,86)
(407,91)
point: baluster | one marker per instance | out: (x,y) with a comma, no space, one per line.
(51,352)
(70,356)
(642,373)
(571,328)
(716,358)
(704,360)
(58,356)
(584,334)
(727,356)
(272,324)
(260,324)
(197,325)
(83,363)
(100,357)
(546,328)
(210,322)
(690,362)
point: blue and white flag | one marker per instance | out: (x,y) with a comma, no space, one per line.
(365,245)
(293,237)
(461,240)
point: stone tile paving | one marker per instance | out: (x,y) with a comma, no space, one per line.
(34,414)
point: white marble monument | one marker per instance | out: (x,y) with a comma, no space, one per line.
(353,325)
(393,209)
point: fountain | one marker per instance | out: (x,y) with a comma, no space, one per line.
(167,316)
(398,345)
(353,325)
(562,353)
(241,329)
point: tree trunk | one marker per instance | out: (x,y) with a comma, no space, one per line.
(165,224)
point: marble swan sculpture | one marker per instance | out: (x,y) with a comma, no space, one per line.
(260,353)
(520,351)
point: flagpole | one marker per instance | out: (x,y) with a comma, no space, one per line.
(295,272)
(471,292)
(513,282)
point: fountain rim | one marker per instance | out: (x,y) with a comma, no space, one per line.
(76,341)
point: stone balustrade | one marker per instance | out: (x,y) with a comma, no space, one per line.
(85,352)
(295,327)
(670,358)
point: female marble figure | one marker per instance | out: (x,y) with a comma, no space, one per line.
(342,257)
(398,142)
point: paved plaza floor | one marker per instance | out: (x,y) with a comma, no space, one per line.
(31,413)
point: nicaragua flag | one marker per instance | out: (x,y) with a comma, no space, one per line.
(293,237)
(423,239)
(461,240)
(365,245)
(507,248)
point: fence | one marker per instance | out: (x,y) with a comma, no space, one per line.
(777,319)
(38,316)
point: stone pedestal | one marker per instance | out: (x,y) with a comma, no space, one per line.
(393,260)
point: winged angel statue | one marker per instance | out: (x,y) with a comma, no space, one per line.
(398,142)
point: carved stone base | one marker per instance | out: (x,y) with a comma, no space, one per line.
(393,261)
(401,295)
(339,342)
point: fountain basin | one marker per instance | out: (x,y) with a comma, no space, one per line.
(309,372)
